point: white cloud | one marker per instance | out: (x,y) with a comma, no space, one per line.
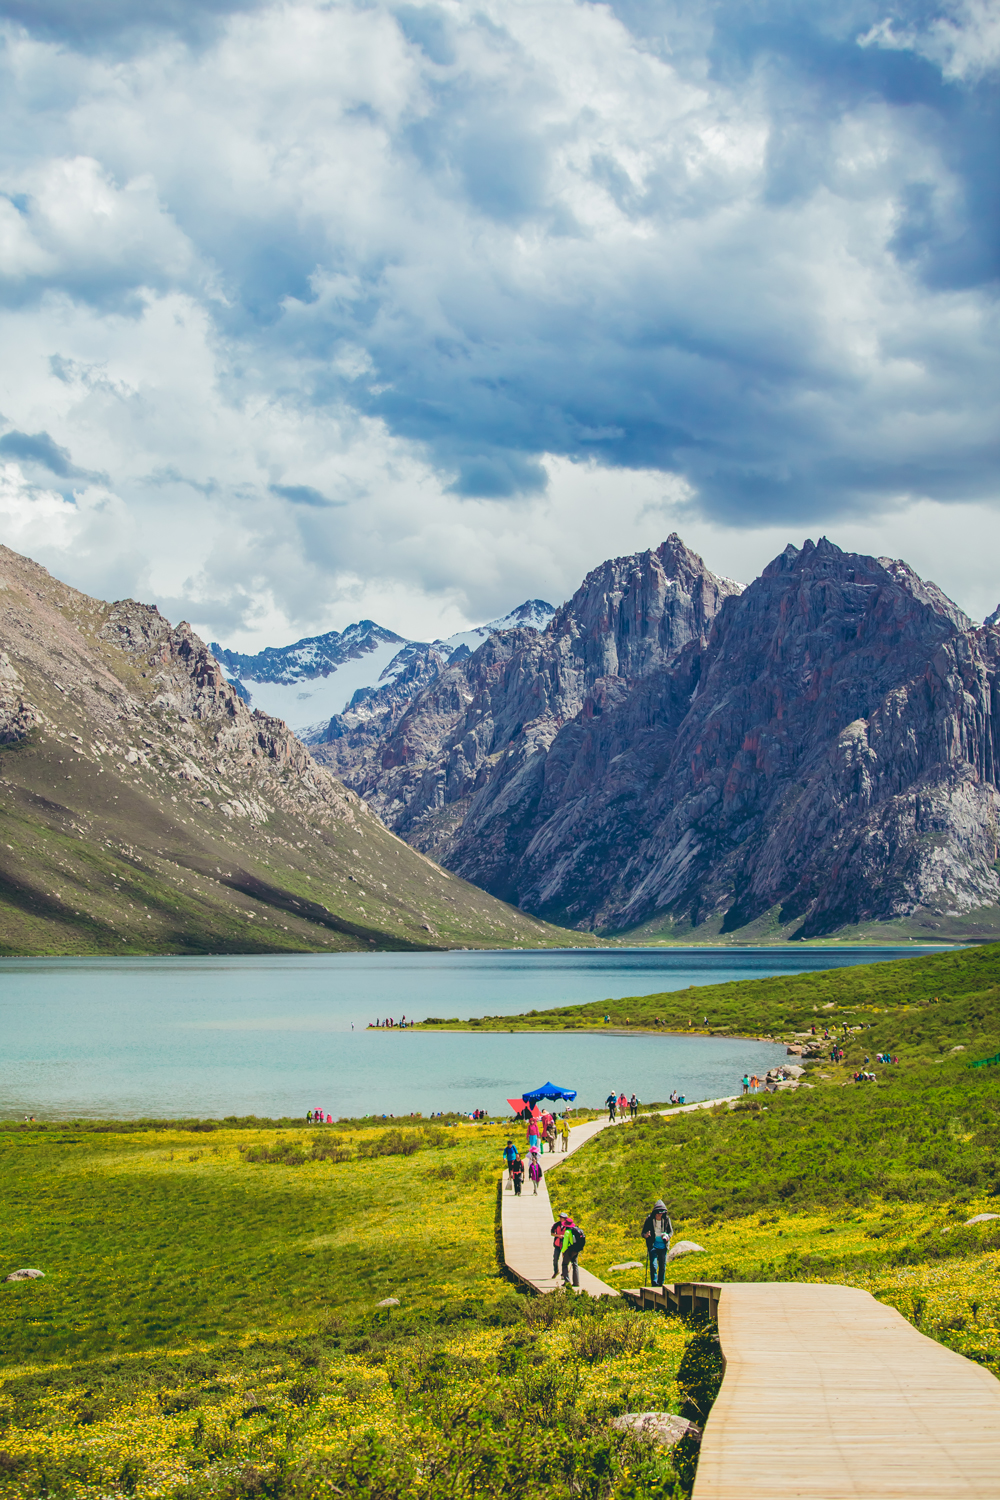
(508,288)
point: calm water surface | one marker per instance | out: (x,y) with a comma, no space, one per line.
(273,1036)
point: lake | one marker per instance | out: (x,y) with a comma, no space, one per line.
(272,1036)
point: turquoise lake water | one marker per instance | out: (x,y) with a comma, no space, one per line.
(273,1036)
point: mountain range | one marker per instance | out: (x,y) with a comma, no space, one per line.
(676,755)
(144,807)
(308,682)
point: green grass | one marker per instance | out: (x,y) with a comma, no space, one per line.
(208,1326)
(777,1006)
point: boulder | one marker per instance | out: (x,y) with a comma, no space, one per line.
(27,1274)
(685,1247)
(976,1219)
(628,1265)
(388,1302)
(658,1426)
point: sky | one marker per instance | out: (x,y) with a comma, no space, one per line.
(312,312)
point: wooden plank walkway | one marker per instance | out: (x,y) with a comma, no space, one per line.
(829,1394)
(525,1222)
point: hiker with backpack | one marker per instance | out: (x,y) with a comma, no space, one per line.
(657,1232)
(557,1231)
(574,1240)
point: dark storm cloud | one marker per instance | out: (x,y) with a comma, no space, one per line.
(38,448)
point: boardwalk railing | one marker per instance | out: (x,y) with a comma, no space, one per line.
(678,1296)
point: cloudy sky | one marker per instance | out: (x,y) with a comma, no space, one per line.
(311,311)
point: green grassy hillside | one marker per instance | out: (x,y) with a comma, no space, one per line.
(145,809)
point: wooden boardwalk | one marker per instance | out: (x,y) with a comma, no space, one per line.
(525,1222)
(829,1394)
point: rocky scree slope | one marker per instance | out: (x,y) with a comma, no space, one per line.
(812,755)
(145,808)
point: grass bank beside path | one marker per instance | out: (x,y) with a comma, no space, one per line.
(773,1007)
(208,1323)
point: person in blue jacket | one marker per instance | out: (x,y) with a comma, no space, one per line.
(657,1232)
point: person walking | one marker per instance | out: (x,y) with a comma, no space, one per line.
(633,1105)
(746,1084)
(657,1232)
(535,1173)
(574,1240)
(562,1125)
(557,1231)
(612,1103)
(510,1157)
(550,1135)
(517,1175)
(532,1134)
(622,1104)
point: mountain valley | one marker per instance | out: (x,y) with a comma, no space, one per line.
(145,808)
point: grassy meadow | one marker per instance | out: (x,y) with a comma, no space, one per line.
(209,1326)
(208,1323)
(779,1006)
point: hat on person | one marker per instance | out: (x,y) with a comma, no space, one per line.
(660,1204)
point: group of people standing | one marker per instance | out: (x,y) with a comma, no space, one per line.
(619,1106)
(540,1133)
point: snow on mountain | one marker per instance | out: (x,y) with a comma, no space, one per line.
(309,682)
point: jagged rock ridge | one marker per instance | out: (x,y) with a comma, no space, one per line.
(311,681)
(813,753)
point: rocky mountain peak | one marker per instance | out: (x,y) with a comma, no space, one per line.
(632,613)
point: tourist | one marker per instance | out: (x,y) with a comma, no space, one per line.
(550,1134)
(545,1120)
(309,1113)
(563,1127)
(557,1231)
(657,1232)
(622,1105)
(612,1103)
(746,1084)
(535,1172)
(510,1157)
(532,1134)
(574,1240)
(517,1174)
(633,1105)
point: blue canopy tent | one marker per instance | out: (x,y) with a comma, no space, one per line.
(548,1091)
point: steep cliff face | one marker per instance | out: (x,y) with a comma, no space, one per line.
(475,743)
(815,752)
